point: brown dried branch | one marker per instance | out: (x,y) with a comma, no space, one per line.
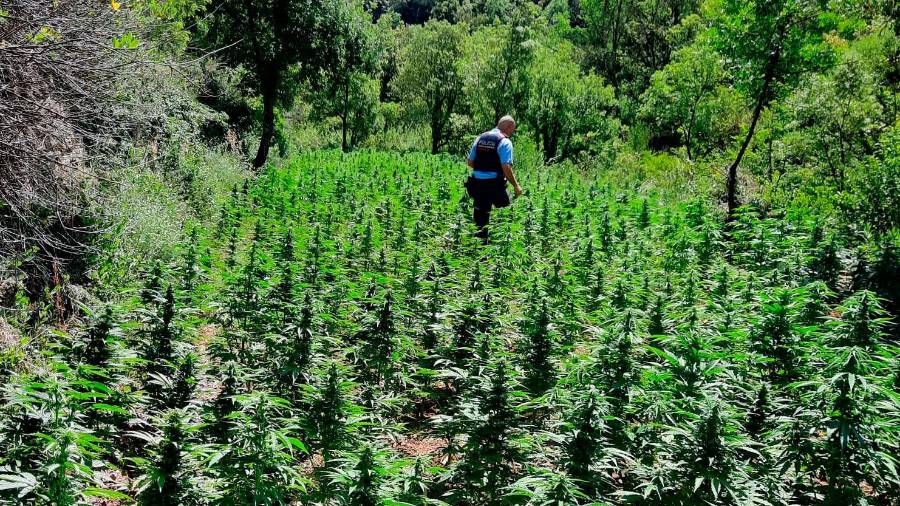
(62,117)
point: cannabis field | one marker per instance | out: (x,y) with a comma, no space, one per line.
(337,336)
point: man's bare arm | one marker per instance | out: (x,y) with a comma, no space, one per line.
(470,163)
(511,177)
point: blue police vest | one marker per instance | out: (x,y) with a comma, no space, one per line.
(487,155)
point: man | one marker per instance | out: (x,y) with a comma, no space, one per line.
(491,159)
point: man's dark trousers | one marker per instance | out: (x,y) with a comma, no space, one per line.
(486,194)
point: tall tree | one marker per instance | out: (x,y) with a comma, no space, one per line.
(279,42)
(566,108)
(497,68)
(770,44)
(429,81)
(342,85)
(688,100)
(627,40)
(838,115)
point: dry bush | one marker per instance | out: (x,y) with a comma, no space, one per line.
(61,121)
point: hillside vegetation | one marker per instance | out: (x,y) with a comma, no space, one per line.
(237,261)
(338,337)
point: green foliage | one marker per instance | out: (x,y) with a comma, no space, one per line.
(167,481)
(585,442)
(259,463)
(619,35)
(365,491)
(772,44)
(497,69)
(430,78)
(489,452)
(567,111)
(329,416)
(689,98)
(281,43)
(539,341)
(346,87)
(872,186)
(662,357)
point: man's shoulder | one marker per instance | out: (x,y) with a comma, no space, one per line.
(499,138)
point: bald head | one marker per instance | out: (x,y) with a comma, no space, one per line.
(507,125)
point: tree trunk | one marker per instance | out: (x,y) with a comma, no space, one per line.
(268,123)
(614,73)
(690,130)
(435,138)
(344,113)
(731,181)
(437,125)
